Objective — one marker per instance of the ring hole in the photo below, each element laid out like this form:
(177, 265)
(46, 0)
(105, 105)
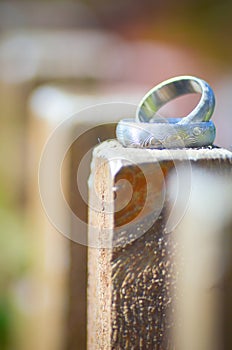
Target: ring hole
(180, 107)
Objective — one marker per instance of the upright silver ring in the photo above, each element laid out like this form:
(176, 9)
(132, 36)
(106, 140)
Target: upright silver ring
(169, 90)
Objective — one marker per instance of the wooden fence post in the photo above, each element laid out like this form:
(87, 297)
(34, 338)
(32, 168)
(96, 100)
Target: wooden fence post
(131, 262)
(203, 313)
(64, 276)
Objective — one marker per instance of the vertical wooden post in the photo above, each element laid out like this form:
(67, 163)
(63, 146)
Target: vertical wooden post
(67, 293)
(131, 262)
(50, 250)
(203, 313)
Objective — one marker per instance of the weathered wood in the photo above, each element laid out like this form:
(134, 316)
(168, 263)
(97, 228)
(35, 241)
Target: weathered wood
(131, 255)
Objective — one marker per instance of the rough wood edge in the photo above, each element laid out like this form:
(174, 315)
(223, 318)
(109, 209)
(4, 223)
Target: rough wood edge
(112, 149)
(99, 267)
(115, 157)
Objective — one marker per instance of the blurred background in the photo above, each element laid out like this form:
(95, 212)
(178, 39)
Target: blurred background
(57, 57)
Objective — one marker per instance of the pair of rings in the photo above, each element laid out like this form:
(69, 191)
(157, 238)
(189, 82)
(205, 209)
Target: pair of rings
(149, 130)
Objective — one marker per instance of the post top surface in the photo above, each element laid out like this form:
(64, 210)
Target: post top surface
(112, 149)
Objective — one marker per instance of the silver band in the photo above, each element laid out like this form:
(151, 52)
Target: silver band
(169, 90)
(165, 135)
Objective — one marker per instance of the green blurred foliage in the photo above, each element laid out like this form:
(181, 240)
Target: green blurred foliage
(14, 264)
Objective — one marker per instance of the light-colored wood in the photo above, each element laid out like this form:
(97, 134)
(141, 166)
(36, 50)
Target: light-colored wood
(203, 265)
(131, 254)
(64, 275)
(47, 319)
(33, 57)
(58, 54)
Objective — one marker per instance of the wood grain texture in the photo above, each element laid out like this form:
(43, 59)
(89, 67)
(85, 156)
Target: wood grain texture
(131, 262)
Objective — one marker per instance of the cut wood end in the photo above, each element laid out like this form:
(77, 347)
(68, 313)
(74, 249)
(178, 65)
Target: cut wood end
(135, 181)
(112, 149)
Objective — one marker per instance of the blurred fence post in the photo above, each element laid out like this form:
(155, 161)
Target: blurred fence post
(30, 58)
(132, 276)
(51, 258)
(203, 312)
(87, 128)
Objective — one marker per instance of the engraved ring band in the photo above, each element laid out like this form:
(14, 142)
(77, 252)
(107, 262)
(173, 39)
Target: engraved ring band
(148, 130)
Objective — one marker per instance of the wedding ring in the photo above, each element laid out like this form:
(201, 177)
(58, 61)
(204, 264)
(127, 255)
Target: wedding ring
(165, 135)
(171, 89)
(149, 130)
